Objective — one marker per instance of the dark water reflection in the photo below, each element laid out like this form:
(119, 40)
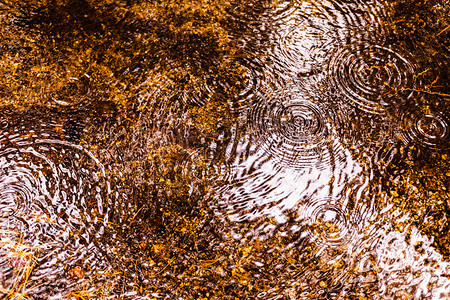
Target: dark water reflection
(304, 158)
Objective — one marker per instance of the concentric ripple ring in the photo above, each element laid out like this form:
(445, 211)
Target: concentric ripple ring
(427, 129)
(328, 223)
(294, 132)
(372, 78)
(302, 48)
(54, 195)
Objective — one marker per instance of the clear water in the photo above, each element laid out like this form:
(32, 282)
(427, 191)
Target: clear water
(304, 154)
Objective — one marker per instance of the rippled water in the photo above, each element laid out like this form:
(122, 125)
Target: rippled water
(54, 202)
(273, 150)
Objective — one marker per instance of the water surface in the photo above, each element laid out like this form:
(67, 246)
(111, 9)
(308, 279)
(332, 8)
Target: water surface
(273, 150)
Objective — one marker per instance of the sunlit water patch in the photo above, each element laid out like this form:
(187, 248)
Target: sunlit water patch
(302, 48)
(290, 154)
(258, 190)
(408, 265)
(386, 259)
(299, 187)
(54, 200)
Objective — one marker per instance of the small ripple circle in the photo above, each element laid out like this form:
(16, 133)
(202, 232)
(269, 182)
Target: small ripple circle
(429, 129)
(328, 223)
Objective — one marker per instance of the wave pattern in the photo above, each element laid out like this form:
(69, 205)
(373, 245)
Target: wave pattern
(303, 48)
(239, 85)
(54, 195)
(306, 38)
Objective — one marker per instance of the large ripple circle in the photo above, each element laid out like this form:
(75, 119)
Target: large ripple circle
(294, 132)
(372, 77)
(54, 197)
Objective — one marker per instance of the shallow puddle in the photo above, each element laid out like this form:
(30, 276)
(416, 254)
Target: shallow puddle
(244, 150)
